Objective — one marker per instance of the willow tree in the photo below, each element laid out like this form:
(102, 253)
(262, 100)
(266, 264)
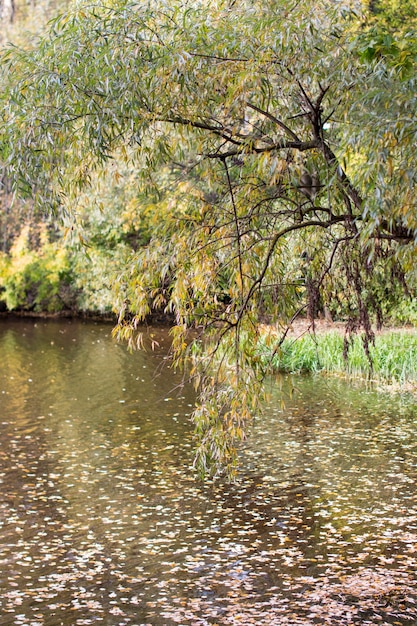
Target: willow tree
(270, 146)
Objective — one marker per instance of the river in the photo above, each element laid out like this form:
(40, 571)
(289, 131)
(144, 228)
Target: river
(102, 520)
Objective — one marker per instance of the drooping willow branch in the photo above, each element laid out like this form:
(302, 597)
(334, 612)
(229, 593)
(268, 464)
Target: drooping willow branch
(279, 235)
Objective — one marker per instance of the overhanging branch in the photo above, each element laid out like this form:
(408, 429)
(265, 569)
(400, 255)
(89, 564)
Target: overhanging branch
(249, 148)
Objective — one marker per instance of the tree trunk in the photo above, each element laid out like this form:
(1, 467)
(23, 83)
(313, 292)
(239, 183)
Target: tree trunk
(7, 10)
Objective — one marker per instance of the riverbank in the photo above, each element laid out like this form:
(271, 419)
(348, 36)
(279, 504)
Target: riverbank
(392, 362)
(308, 348)
(59, 315)
(153, 319)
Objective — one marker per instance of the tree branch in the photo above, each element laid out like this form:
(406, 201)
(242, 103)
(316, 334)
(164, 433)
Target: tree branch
(347, 186)
(274, 119)
(246, 148)
(275, 239)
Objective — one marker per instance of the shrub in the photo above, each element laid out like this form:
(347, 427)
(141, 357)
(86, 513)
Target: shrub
(35, 279)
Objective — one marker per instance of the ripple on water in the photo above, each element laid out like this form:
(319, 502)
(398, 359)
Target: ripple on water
(103, 521)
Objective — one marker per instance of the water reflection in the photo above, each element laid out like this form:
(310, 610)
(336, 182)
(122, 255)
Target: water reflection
(102, 520)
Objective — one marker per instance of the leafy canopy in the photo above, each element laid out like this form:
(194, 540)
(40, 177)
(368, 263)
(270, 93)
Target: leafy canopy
(275, 151)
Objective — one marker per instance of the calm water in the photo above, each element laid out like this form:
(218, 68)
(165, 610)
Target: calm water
(103, 522)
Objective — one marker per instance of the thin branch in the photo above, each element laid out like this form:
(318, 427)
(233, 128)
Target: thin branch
(236, 222)
(273, 245)
(332, 256)
(274, 119)
(213, 57)
(246, 148)
(217, 130)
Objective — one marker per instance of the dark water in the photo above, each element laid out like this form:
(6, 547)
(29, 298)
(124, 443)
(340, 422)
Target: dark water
(102, 520)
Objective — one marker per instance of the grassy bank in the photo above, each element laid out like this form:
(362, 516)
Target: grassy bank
(394, 356)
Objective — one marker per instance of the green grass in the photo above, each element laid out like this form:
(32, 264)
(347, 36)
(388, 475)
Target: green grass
(394, 356)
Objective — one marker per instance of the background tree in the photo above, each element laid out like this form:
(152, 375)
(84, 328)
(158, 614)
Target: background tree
(28, 237)
(392, 15)
(273, 147)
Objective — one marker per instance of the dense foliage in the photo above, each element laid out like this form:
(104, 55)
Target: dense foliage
(36, 277)
(269, 154)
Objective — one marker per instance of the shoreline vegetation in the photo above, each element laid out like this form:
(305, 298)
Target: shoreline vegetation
(393, 364)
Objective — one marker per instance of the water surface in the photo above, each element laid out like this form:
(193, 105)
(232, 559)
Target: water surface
(102, 520)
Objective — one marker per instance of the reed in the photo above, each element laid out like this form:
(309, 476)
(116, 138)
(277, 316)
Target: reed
(393, 356)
